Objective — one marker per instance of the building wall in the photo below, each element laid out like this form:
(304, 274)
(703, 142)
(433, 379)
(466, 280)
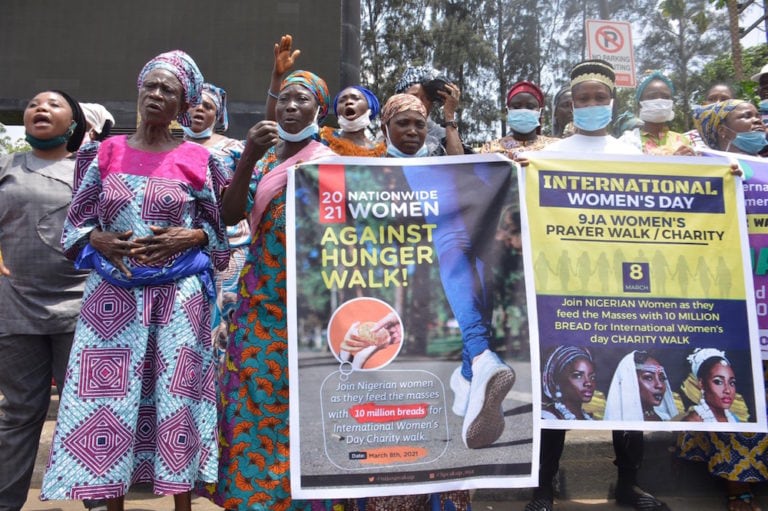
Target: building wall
(94, 50)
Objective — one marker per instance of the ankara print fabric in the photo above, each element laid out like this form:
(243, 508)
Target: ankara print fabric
(139, 400)
(254, 467)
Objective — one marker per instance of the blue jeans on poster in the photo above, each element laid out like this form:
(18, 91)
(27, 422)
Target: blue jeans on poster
(462, 268)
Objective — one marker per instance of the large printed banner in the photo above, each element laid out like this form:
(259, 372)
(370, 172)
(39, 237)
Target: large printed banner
(756, 203)
(640, 294)
(390, 262)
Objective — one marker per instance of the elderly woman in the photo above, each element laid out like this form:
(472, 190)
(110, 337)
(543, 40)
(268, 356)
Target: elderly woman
(733, 126)
(139, 400)
(525, 101)
(40, 290)
(568, 381)
(209, 115)
(639, 391)
(656, 109)
(254, 469)
(355, 108)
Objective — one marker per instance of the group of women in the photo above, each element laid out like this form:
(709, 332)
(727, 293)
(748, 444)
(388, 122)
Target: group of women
(184, 240)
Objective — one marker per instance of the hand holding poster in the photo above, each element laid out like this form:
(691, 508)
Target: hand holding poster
(402, 367)
(641, 291)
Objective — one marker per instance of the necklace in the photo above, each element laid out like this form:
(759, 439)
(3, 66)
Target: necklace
(706, 414)
(569, 415)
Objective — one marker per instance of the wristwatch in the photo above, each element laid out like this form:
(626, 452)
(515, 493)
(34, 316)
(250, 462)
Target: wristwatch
(453, 124)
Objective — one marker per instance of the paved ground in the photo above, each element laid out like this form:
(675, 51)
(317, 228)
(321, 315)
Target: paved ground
(585, 481)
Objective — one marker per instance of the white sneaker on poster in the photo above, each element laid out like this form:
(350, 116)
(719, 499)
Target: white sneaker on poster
(492, 379)
(460, 388)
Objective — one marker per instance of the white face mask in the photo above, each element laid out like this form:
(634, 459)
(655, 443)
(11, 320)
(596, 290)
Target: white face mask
(657, 110)
(358, 124)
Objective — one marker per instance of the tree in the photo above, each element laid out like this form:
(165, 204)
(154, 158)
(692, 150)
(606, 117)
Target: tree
(685, 34)
(8, 146)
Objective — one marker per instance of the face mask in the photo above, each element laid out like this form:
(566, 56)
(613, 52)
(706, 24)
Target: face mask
(206, 133)
(522, 120)
(311, 130)
(397, 153)
(593, 118)
(45, 144)
(358, 124)
(657, 110)
(763, 106)
(751, 142)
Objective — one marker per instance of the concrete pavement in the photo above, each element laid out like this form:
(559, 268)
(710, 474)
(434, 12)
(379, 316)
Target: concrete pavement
(585, 481)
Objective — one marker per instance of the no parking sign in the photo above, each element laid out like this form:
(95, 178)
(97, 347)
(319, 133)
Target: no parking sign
(612, 41)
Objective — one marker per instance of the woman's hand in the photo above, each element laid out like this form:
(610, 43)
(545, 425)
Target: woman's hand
(391, 324)
(285, 55)
(114, 246)
(685, 150)
(166, 242)
(261, 137)
(450, 101)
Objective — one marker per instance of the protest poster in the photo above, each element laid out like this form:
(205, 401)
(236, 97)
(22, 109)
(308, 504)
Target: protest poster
(756, 204)
(390, 260)
(639, 286)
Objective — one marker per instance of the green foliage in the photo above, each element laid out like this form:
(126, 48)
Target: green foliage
(720, 70)
(8, 146)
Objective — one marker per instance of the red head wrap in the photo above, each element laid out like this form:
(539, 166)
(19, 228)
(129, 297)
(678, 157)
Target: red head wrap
(528, 87)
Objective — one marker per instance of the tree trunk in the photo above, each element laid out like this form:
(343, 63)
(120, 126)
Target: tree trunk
(733, 28)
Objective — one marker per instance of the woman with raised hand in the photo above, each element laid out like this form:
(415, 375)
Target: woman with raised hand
(254, 470)
(139, 401)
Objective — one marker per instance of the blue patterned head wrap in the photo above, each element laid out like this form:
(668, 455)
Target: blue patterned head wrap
(219, 98)
(556, 364)
(315, 85)
(647, 79)
(186, 71)
(370, 97)
(708, 119)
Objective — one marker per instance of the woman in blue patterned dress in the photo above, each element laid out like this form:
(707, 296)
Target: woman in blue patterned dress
(139, 401)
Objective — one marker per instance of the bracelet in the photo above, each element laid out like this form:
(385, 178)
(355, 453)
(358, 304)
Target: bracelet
(271, 94)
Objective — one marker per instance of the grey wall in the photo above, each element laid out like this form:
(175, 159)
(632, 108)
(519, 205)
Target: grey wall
(94, 50)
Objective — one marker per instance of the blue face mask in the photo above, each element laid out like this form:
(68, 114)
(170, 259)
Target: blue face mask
(521, 120)
(309, 131)
(592, 118)
(394, 152)
(763, 106)
(206, 133)
(751, 142)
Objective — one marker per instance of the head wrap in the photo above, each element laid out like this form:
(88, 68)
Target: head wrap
(593, 69)
(623, 400)
(556, 364)
(700, 355)
(401, 103)
(526, 86)
(556, 100)
(76, 138)
(370, 97)
(647, 79)
(96, 115)
(756, 77)
(186, 71)
(414, 75)
(315, 85)
(708, 118)
(219, 98)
